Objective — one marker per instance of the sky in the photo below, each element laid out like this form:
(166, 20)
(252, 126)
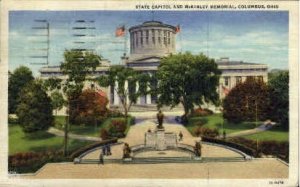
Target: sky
(249, 36)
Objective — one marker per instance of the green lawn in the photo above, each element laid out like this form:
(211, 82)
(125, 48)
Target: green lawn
(276, 133)
(37, 141)
(216, 121)
(89, 130)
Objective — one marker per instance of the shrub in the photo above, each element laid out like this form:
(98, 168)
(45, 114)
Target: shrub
(131, 120)
(115, 113)
(202, 112)
(117, 128)
(31, 161)
(104, 134)
(207, 132)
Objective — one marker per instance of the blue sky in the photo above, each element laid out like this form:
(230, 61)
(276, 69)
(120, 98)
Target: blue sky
(250, 36)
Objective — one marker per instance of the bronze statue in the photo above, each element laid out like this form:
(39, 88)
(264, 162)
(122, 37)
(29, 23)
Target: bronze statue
(197, 149)
(126, 151)
(160, 119)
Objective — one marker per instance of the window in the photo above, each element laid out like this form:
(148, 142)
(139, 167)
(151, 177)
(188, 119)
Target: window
(260, 78)
(141, 38)
(159, 37)
(136, 39)
(153, 36)
(147, 37)
(238, 80)
(226, 81)
(169, 39)
(165, 37)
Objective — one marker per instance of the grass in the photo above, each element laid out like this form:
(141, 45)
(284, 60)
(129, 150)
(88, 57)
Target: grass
(88, 130)
(37, 141)
(216, 120)
(276, 133)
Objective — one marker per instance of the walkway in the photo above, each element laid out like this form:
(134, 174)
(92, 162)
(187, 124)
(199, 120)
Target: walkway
(61, 133)
(259, 129)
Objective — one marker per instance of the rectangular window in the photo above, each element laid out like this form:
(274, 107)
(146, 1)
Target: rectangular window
(165, 37)
(169, 39)
(147, 37)
(226, 81)
(159, 37)
(141, 38)
(136, 39)
(153, 36)
(238, 80)
(260, 78)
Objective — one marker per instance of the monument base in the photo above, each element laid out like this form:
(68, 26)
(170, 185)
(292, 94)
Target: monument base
(160, 140)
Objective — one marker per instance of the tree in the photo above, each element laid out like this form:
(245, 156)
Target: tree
(247, 101)
(57, 101)
(16, 82)
(34, 110)
(117, 77)
(92, 107)
(77, 66)
(188, 80)
(279, 100)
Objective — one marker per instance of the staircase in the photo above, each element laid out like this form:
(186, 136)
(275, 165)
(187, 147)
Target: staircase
(161, 160)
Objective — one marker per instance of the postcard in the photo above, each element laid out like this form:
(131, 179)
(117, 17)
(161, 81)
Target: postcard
(149, 93)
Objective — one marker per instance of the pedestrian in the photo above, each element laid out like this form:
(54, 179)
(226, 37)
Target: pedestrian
(108, 150)
(101, 160)
(104, 150)
(180, 136)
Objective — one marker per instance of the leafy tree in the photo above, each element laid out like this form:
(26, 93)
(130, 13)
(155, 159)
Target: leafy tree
(120, 75)
(247, 101)
(34, 110)
(188, 80)
(92, 107)
(77, 66)
(57, 101)
(16, 81)
(279, 100)
(52, 83)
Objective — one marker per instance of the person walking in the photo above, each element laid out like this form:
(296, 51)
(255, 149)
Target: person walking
(104, 150)
(108, 150)
(180, 136)
(101, 160)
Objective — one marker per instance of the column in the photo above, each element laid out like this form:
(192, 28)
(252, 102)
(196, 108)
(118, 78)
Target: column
(137, 89)
(148, 97)
(116, 96)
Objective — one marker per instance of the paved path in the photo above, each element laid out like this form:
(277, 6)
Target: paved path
(61, 133)
(259, 129)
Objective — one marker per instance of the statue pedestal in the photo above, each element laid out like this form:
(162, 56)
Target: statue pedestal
(160, 140)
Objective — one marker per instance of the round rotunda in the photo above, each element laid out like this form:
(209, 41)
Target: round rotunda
(152, 38)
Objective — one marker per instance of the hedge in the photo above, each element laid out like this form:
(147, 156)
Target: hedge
(31, 161)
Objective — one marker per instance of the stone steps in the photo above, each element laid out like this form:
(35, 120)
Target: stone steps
(160, 160)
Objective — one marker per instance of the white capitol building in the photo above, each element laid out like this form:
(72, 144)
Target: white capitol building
(151, 41)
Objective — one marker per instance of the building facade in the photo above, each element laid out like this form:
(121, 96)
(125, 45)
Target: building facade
(151, 41)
